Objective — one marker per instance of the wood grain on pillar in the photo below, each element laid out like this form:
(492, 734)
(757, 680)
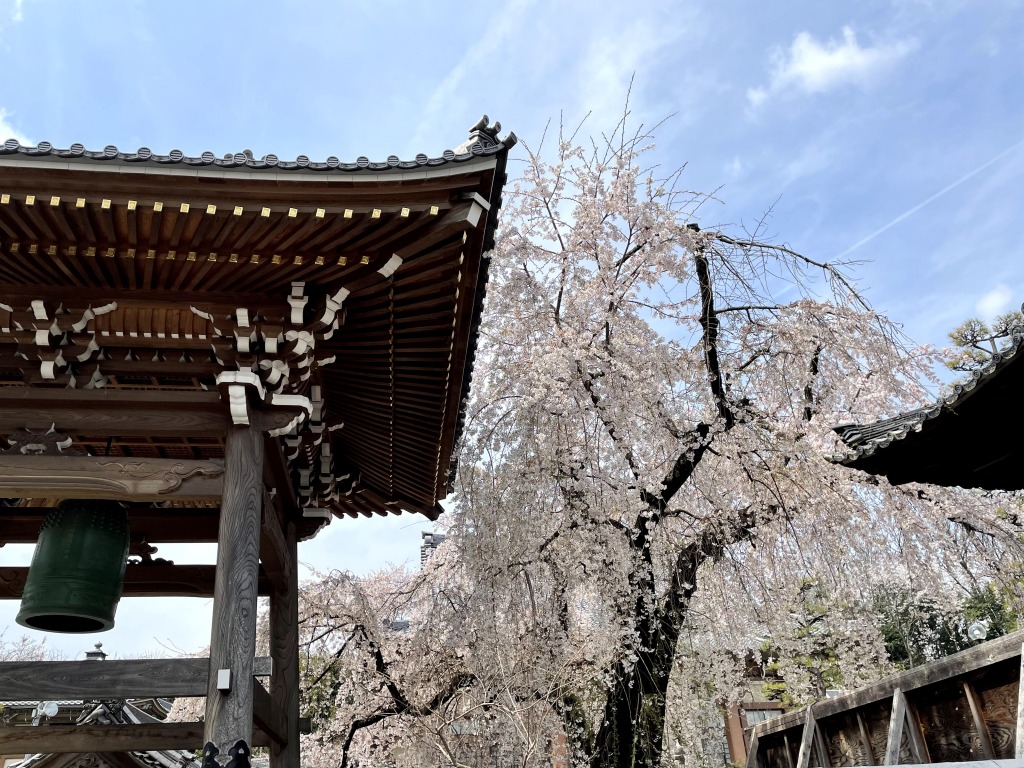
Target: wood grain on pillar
(233, 640)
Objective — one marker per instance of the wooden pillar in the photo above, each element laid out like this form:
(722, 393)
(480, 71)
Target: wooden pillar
(229, 700)
(284, 649)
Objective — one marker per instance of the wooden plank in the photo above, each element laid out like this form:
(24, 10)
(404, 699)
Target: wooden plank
(822, 749)
(120, 679)
(1018, 744)
(865, 739)
(917, 744)
(284, 650)
(98, 477)
(53, 739)
(113, 413)
(265, 716)
(979, 721)
(752, 759)
(156, 525)
(803, 759)
(274, 554)
(897, 720)
(1000, 649)
(233, 640)
(142, 581)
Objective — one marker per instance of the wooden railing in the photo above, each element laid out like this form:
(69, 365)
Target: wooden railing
(964, 707)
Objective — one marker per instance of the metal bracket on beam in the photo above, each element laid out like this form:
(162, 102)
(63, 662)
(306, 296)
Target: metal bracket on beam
(224, 680)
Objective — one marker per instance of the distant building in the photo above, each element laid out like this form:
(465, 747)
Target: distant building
(431, 541)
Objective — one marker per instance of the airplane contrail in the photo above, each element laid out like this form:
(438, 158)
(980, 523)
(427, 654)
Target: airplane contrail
(931, 199)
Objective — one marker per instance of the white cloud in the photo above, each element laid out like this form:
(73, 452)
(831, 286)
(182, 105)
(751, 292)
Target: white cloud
(810, 66)
(8, 131)
(995, 301)
(18, 14)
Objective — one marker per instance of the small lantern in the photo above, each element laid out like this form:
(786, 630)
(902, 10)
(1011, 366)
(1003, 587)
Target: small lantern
(77, 571)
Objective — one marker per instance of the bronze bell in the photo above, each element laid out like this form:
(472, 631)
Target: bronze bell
(77, 571)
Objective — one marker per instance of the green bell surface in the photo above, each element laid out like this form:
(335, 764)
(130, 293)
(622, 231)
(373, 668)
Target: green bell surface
(77, 571)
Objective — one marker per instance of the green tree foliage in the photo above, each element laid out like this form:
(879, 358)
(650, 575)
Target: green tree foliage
(975, 341)
(917, 628)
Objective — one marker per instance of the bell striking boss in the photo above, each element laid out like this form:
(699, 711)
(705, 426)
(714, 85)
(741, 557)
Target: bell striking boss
(77, 571)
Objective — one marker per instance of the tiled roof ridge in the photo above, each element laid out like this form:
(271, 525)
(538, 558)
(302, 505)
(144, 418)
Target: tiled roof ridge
(482, 142)
(864, 439)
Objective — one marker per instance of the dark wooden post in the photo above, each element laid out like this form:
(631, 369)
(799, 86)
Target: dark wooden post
(284, 649)
(229, 700)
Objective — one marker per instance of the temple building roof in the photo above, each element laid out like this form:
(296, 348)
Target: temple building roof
(968, 438)
(354, 285)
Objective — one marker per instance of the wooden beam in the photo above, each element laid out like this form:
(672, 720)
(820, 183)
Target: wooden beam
(113, 412)
(752, 760)
(156, 525)
(229, 714)
(803, 759)
(122, 679)
(54, 739)
(897, 721)
(274, 553)
(979, 721)
(266, 716)
(284, 650)
(1018, 744)
(96, 477)
(142, 581)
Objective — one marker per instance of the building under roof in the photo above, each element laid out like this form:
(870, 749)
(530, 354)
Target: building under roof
(969, 438)
(357, 285)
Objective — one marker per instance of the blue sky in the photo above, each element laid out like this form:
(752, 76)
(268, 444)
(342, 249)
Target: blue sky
(886, 131)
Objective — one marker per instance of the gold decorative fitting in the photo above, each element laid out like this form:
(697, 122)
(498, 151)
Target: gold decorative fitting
(275, 259)
(158, 206)
(254, 259)
(364, 260)
(212, 256)
(5, 199)
(80, 202)
(51, 251)
(462, 258)
(375, 214)
(342, 261)
(191, 256)
(150, 254)
(72, 250)
(14, 247)
(133, 204)
(105, 204)
(298, 261)
(171, 255)
(90, 251)
(293, 212)
(184, 208)
(405, 212)
(433, 210)
(33, 249)
(320, 213)
(30, 199)
(233, 258)
(265, 212)
(55, 201)
(130, 254)
(348, 213)
(465, 237)
(211, 209)
(238, 210)
(319, 261)
(111, 252)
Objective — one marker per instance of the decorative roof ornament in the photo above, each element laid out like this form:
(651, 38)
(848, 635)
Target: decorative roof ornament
(482, 133)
